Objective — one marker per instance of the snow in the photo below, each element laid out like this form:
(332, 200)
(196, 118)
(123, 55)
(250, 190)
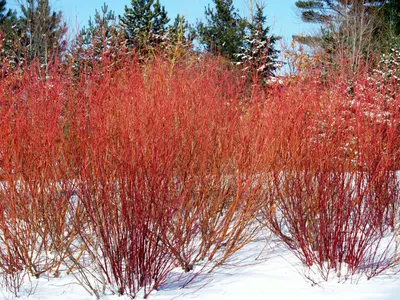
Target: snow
(258, 271)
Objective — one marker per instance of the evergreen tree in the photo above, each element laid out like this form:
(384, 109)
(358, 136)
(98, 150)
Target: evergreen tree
(391, 17)
(259, 56)
(177, 42)
(224, 30)
(350, 29)
(101, 33)
(392, 14)
(144, 24)
(5, 14)
(99, 39)
(180, 30)
(345, 18)
(325, 11)
(8, 34)
(42, 32)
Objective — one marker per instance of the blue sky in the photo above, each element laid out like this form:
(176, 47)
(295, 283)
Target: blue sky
(281, 14)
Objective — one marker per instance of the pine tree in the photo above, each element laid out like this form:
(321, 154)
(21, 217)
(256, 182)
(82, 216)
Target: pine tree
(4, 13)
(177, 42)
(344, 19)
(99, 39)
(101, 34)
(178, 29)
(323, 11)
(389, 67)
(224, 30)
(8, 34)
(144, 24)
(391, 13)
(350, 29)
(42, 32)
(259, 57)
(391, 24)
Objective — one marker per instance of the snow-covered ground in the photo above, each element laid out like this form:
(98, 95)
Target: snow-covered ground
(275, 273)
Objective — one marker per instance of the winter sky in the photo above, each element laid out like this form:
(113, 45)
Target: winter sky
(281, 14)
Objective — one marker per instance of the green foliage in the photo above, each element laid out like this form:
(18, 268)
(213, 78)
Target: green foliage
(99, 39)
(323, 11)
(334, 15)
(316, 11)
(101, 33)
(144, 24)
(224, 30)
(260, 57)
(4, 13)
(392, 14)
(309, 4)
(391, 25)
(350, 30)
(178, 40)
(180, 31)
(8, 21)
(41, 32)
